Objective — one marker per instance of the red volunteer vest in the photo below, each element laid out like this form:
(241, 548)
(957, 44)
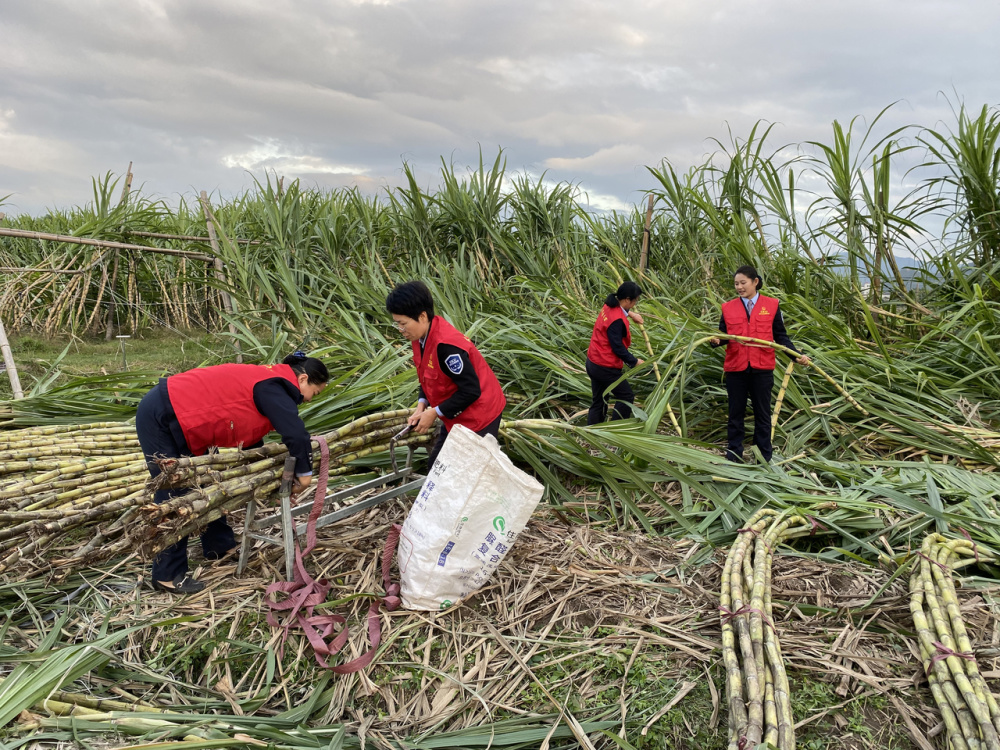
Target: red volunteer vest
(739, 356)
(600, 348)
(438, 387)
(214, 405)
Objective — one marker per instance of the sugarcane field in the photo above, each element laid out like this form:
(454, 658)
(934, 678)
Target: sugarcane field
(223, 461)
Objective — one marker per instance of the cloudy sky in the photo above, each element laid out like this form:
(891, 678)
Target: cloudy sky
(207, 94)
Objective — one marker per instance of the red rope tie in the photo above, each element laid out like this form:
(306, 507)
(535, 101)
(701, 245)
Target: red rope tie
(943, 652)
(729, 615)
(943, 567)
(304, 593)
(816, 526)
(975, 547)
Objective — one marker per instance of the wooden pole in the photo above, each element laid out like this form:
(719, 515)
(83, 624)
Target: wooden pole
(8, 360)
(128, 184)
(220, 271)
(112, 302)
(188, 237)
(644, 255)
(12, 269)
(69, 239)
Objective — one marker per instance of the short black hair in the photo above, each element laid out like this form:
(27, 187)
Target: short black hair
(751, 273)
(410, 299)
(628, 290)
(314, 368)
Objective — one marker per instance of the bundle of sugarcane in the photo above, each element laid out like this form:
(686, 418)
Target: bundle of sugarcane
(969, 709)
(756, 683)
(93, 479)
(57, 478)
(224, 482)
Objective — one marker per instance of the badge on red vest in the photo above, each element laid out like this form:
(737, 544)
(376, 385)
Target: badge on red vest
(438, 387)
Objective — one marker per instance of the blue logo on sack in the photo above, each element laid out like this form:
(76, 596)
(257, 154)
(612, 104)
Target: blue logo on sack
(443, 557)
(455, 363)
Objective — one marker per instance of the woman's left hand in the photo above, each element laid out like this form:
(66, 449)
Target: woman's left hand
(636, 317)
(803, 360)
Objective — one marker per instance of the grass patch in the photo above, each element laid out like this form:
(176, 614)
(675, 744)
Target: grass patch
(152, 349)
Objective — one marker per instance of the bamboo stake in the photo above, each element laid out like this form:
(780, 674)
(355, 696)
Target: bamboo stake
(644, 255)
(107, 244)
(128, 184)
(112, 303)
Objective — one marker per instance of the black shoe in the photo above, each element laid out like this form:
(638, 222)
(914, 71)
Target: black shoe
(182, 584)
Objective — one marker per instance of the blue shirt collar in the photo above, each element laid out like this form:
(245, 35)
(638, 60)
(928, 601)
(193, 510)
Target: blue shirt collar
(752, 300)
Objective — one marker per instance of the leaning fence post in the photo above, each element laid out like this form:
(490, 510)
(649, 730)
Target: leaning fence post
(8, 360)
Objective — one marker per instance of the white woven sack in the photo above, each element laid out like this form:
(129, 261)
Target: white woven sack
(470, 510)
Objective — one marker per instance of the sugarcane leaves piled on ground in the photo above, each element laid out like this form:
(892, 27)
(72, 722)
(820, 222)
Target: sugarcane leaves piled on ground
(618, 474)
(969, 709)
(230, 479)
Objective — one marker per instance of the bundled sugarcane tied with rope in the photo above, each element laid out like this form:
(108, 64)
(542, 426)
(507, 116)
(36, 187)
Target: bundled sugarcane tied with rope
(226, 480)
(968, 707)
(75, 494)
(756, 683)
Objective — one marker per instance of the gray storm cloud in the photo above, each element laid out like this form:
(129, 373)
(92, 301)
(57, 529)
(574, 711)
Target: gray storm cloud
(199, 94)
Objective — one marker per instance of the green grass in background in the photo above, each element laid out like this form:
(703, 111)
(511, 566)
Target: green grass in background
(154, 349)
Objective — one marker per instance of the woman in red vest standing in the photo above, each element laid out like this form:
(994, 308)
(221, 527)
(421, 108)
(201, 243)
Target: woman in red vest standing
(750, 369)
(456, 384)
(225, 406)
(608, 353)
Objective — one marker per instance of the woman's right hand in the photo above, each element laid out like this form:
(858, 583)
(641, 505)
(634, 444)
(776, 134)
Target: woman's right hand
(415, 416)
(299, 486)
(715, 342)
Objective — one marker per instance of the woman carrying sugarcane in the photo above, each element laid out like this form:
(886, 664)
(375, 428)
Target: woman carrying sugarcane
(749, 368)
(225, 406)
(456, 384)
(608, 353)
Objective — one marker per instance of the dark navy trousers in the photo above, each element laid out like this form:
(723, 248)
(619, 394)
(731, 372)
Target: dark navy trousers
(757, 385)
(600, 379)
(160, 436)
